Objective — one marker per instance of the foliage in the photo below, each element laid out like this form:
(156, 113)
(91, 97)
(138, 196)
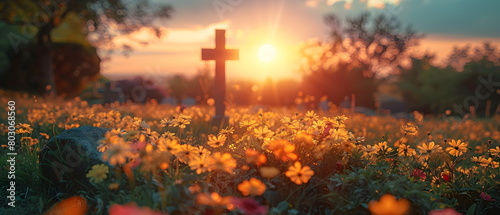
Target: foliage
(359, 52)
(95, 22)
(174, 160)
(431, 89)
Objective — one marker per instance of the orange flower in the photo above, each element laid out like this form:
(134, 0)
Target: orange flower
(299, 175)
(252, 187)
(223, 162)
(304, 138)
(213, 199)
(388, 205)
(254, 156)
(73, 205)
(269, 172)
(283, 150)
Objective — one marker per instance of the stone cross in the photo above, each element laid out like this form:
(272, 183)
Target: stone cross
(220, 54)
(111, 94)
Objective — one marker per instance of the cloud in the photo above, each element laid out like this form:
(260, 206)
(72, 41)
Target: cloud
(194, 35)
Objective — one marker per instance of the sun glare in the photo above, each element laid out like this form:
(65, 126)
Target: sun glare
(267, 53)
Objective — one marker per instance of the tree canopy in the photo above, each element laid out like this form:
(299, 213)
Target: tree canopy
(87, 22)
(359, 50)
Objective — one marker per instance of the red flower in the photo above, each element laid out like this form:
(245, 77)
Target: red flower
(486, 197)
(131, 209)
(419, 174)
(445, 177)
(249, 206)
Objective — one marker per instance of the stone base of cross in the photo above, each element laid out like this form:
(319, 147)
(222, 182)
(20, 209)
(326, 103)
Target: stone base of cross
(220, 54)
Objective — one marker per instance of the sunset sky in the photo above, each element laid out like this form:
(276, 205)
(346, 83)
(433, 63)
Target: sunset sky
(285, 24)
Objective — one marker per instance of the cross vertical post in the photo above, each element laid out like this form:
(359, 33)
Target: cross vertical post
(220, 54)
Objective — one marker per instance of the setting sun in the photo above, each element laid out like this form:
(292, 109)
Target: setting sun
(267, 53)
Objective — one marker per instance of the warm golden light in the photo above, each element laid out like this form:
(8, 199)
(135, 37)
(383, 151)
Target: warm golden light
(267, 53)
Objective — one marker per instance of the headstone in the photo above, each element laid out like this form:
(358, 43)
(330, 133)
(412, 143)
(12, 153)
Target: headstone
(189, 101)
(140, 90)
(111, 94)
(220, 54)
(394, 106)
(66, 159)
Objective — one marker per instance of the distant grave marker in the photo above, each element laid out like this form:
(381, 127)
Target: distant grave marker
(220, 54)
(111, 94)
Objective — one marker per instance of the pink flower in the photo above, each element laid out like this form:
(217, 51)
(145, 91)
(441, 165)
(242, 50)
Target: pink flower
(447, 211)
(131, 209)
(486, 197)
(249, 206)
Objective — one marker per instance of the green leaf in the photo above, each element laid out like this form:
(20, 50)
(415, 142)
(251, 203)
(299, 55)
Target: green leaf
(472, 210)
(282, 206)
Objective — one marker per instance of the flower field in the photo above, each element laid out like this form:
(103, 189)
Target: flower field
(170, 160)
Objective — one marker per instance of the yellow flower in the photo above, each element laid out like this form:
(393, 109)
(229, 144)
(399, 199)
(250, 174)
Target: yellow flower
(406, 150)
(428, 148)
(117, 153)
(216, 141)
(113, 186)
(226, 131)
(154, 161)
(44, 135)
(299, 175)
(410, 129)
(289, 123)
(198, 164)
(223, 162)
(98, 173)
(186, 153)
(310, 116)
(252, 187)
(181, 121)
(382, 148)
(202, 152)
(29, 141)
(263, 132)
(250, 124)
(495, 151)
(168, 145)
(457, 147)
(165, 122)
(111, 137)
(23, 128)
(388, 205)
(482, 161)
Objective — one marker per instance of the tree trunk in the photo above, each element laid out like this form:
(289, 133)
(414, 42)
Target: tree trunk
(43, 67)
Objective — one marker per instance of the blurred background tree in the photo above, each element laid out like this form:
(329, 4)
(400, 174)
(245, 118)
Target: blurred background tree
(360, 51)
(470, 77)
(31, 27)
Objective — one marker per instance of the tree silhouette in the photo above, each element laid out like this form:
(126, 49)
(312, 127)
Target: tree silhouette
(102, 21)
(471, 78)
(359, 52)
